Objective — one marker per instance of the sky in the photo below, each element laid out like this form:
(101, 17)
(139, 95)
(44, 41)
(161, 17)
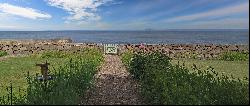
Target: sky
(37, 15)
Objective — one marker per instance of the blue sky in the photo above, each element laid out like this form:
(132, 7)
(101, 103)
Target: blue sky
(123, 14)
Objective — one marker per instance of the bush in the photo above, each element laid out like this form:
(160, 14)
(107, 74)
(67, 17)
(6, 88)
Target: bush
(3, 53)
(234, 56)
(70, 81)
(164, 83)
(126, 58)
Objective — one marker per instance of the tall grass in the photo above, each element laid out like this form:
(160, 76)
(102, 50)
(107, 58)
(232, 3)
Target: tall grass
(12, 95)
(164, 83)
(70, 81)
(126, 57)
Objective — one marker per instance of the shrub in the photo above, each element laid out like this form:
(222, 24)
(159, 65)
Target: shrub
(164, 83)
(69, 83)
(126, 58)
(3, 53)
(234, 56)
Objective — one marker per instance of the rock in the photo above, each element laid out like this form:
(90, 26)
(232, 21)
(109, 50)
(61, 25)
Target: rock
(242, 48)
(5, 48)
(63, 40)
(15, 48)
(232, 48)
(23, 48)
(207, 56)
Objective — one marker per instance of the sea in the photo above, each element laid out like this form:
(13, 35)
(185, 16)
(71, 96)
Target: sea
(137, 37)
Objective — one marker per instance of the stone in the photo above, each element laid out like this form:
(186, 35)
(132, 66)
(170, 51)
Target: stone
(232, 48)
(207, 56)
(5, 48)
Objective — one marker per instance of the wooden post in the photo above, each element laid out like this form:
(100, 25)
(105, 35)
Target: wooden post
(44, 70)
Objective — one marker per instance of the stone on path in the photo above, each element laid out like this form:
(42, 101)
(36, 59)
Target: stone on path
(113, 85)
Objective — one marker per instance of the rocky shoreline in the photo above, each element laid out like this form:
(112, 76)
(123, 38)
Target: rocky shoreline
(202, 51)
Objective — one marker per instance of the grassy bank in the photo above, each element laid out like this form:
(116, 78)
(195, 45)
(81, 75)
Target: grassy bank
(73, 75)
(165, 82)
(14, 69)
(238, 69)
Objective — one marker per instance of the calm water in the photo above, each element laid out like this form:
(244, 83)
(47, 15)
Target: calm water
(151, 37)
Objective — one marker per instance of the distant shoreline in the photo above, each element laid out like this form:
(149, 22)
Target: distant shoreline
(135, 37)
(203, 51)
(140, 30)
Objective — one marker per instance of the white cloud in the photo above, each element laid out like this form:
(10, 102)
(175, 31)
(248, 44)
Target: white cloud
(79, 10)
(227, 11)
(7, 26)
(22, 11)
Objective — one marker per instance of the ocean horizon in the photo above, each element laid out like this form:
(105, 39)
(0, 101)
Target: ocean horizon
(173, 36)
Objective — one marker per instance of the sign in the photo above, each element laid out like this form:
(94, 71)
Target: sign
(110, 48)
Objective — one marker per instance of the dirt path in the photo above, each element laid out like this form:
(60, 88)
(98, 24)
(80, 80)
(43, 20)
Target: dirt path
(113, 85)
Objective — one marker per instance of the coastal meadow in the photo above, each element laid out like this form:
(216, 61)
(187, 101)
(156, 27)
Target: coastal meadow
(174, 84)
(70, 80)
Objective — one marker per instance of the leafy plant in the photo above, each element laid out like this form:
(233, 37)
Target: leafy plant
(164, 83)
(3, 53)
(126, 57)
(13, 95)
(69, 83)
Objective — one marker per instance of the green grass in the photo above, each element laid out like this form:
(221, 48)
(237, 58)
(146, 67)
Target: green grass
(14, 69)
(164, 82)
(238, 69)
(74, 72)
(73, 78)
(234, 56)
(3, 53)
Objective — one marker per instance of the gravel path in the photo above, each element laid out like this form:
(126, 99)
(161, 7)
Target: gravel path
(113, 85)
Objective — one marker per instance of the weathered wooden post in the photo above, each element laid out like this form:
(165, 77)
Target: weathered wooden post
(44, 71)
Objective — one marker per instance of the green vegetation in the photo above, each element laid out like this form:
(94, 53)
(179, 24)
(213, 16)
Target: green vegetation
(162, 80)
(126, 57)
(234, 56)
(165, 83)
(239, 69)
(69, 83)
(3, 53)
(57, 54)
(14, 69)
